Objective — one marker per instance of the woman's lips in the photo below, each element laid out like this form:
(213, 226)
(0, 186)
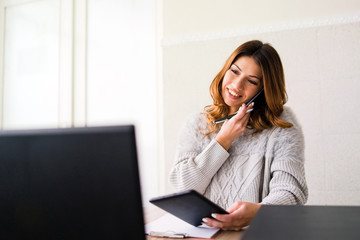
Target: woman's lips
(233, 93)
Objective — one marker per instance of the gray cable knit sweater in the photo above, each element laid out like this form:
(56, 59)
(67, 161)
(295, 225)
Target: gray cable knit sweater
(267, 167)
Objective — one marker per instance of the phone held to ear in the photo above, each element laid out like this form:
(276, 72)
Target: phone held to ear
(247, 104)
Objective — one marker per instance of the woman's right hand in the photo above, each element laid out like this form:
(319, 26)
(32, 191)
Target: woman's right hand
(233, 127)
(240, 215)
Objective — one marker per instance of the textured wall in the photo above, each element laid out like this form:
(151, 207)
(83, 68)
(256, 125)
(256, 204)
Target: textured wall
(322, 68)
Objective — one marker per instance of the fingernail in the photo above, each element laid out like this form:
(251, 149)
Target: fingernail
(204, 220)
(252, 104)
(213, 215)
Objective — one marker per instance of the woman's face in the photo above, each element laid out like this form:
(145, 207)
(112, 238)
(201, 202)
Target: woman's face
(241, 82)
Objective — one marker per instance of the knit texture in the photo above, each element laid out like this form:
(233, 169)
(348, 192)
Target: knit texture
(266, 167)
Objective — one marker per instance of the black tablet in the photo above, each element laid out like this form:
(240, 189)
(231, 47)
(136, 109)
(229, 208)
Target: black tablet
(190, 206)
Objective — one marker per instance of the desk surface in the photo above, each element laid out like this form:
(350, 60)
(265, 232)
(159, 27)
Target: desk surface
(305, 222)
(153, 213)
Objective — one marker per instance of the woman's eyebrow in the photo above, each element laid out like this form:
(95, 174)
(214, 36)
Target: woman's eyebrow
(237, 66)
(249, 75)
(255, 77)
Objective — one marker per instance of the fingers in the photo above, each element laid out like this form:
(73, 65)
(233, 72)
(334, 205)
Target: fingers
(222, 217)
(244, 110)
(233, 127)
(223, 221)
(235, 206)
(242, 117)
(217, 223)
(240, 215)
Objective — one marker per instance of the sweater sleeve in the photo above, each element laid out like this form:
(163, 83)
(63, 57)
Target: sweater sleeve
(195, 167)
(287, 184)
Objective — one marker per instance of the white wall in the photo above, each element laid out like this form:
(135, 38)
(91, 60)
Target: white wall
(187, 17)
(31, 62)
(121, 76)
(318, 43)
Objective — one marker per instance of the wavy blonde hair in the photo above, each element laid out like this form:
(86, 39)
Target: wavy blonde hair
(269, 105)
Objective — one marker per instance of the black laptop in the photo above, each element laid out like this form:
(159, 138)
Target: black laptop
(305, 223)
(74, 183)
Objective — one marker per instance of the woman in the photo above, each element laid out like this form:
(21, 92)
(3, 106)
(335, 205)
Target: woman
(253, 158)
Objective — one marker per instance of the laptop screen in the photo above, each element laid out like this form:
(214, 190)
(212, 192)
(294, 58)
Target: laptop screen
(75, 183)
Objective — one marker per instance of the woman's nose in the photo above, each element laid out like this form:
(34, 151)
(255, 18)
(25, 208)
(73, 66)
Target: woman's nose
(239, 82)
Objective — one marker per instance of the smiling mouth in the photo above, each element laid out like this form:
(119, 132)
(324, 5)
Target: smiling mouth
(232, 93)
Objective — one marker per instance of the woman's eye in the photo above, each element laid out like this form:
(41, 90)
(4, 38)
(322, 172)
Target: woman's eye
(235, 71)
(252, 82)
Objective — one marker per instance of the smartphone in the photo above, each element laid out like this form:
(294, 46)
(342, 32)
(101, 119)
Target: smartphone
(247, 104)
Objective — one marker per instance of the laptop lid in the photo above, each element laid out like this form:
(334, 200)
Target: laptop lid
(305, 222)
(75, 183)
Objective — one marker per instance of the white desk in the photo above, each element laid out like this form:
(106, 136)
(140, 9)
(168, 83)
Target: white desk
(153, 213)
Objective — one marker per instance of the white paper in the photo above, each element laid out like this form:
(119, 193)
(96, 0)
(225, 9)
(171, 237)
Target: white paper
(171, 224)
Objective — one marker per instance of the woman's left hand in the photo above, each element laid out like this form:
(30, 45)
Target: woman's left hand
(240, 215)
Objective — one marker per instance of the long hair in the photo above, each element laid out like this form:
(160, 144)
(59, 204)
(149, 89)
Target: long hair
(269, 106)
